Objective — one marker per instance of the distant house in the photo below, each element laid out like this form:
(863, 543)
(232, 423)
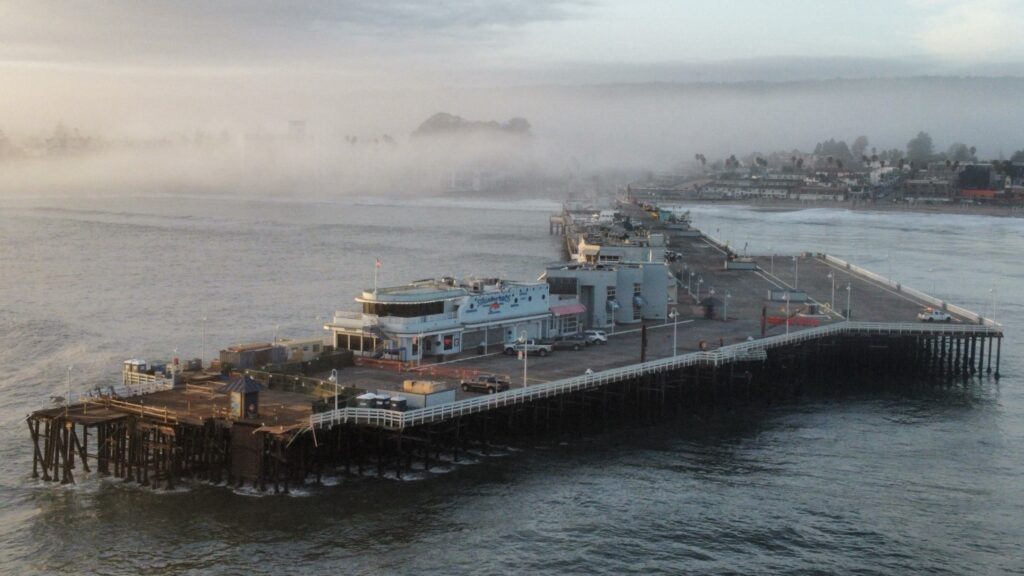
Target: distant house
(929, 190)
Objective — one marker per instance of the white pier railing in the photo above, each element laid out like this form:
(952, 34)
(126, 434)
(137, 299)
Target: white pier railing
(899, 287)
(743, 352)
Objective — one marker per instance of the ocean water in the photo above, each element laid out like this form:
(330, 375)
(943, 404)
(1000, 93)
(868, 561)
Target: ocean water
(920, 481)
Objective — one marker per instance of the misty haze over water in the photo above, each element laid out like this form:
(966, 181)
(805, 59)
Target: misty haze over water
(362, 142)
(248, 162)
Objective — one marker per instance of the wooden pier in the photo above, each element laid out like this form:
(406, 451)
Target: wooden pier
(160, 436)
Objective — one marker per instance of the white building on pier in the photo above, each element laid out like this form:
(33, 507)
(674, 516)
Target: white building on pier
(438, 317)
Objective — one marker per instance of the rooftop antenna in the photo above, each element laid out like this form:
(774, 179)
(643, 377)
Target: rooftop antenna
(376, 269)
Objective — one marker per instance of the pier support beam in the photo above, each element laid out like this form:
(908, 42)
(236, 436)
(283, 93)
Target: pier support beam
(999, 353)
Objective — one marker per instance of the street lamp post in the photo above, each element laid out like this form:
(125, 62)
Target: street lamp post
(688, 289)
(67, 393)
(726, 312)
(832, 276)
(203, 353)
(849, 312)
(700, 280)
(674, 315)
(992, 291)
(334, 379)
(787, 312)
(796, 272)
(522, 339)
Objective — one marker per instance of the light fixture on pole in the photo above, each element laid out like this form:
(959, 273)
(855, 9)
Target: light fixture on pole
(787, 312)
(334, 378)
(67, 394)
(849, 312)
(700, 280)
(992, 291)
(523, 341)
(203, 352)
(832, 277)
(674, 315)
(725, 314)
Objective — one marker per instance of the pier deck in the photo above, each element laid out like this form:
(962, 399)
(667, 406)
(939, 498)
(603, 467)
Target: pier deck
(161, 435)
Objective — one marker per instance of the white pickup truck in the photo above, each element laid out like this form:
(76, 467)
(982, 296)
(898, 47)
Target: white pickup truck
(531, 347)
(933, 315)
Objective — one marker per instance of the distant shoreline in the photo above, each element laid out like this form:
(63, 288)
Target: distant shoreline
(796, 205)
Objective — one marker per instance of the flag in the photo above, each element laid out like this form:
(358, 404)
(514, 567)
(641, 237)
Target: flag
(378, 263)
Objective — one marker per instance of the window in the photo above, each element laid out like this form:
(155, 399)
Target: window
(562, 286)
(403, 310)
(570, 325)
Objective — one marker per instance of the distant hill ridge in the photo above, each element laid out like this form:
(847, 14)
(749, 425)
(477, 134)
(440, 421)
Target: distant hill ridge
(443, 123)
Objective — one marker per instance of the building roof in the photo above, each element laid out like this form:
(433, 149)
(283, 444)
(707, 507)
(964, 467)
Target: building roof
(249, 346)
(243, 384)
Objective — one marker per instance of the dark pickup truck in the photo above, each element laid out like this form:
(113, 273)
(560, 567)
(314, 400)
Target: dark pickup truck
(568, 342)
(488, 383)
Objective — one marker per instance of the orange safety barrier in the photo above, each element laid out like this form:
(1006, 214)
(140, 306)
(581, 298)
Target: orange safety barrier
(447, 372)
(794, 321)
(396, 365)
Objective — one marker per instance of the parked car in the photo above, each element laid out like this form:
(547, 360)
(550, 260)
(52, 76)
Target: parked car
(531, 347)
(571, 342)
(488, 383)
(933, 315)
(595, 337)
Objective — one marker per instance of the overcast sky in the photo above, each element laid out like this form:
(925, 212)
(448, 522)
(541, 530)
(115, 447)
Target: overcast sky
(139, 68)
(438, 37)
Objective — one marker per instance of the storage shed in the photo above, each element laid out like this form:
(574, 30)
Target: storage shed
(245, 397)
